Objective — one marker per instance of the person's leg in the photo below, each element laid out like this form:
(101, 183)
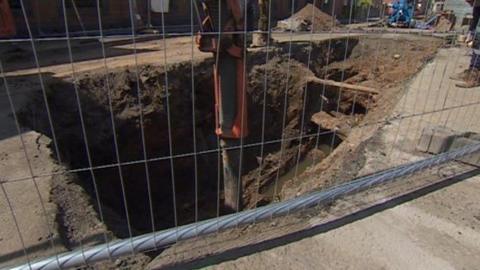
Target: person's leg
(475, 60)
(476, 18)
(472, 77)
(473, 25)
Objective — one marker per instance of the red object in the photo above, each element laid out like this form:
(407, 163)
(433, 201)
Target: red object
(209, 43)
(7, 24)
(240, 125)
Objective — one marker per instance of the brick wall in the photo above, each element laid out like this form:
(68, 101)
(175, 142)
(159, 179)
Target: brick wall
(46, 16)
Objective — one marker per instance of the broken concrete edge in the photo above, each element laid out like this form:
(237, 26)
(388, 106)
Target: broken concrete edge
(437, 139)
(440, 139)
(459, 142)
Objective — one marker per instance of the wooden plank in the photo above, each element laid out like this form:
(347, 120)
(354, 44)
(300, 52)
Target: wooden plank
(347, 86)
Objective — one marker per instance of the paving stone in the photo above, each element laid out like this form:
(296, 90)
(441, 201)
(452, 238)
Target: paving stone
(436, 139)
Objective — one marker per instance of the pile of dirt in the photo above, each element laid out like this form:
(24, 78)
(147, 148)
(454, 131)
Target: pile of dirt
(308, 18)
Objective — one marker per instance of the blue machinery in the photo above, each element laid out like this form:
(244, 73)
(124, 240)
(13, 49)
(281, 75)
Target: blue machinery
(402, 14)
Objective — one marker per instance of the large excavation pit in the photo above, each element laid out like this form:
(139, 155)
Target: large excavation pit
(184, 152)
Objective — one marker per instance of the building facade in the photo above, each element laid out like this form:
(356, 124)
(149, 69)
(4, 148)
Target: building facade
(46, 17)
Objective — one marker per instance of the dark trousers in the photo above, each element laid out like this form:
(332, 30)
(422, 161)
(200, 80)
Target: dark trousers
(475, 60)
(476, 17)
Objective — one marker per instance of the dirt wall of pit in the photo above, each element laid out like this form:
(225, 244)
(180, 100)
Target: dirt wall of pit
(129, 94)
(116, 94)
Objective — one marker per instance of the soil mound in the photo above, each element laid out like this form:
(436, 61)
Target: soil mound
(319, 21)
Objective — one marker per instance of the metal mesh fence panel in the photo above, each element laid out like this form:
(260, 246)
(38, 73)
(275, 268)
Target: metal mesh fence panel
(134, 127)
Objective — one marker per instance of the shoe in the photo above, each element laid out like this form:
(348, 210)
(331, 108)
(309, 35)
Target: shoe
(470, 39)
(468, 84)
(471, 80)
(462, 76)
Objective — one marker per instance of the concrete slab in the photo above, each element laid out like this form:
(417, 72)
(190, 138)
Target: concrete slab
(37, 233)
(30, 200)
(436, 139)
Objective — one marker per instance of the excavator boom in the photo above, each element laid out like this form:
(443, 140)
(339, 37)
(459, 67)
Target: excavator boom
(222, 25)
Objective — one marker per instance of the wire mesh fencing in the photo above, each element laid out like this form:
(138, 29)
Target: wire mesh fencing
(178, 128)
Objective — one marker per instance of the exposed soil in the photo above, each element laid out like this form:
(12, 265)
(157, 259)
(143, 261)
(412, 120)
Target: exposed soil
(343, 164)
(286, 72)
(304, 99)
(390, 231)
(316, 18)
(123, 86)
(386, 65)
(81, 227)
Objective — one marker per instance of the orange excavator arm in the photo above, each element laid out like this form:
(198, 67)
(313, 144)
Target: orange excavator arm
(7, 23)
(226, 17)
(222, 34)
